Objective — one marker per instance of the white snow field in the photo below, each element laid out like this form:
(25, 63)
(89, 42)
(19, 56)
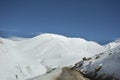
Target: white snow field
(28, 58)
(49, 76)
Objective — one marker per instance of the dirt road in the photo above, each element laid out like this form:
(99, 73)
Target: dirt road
(68, 74)
(61, 74)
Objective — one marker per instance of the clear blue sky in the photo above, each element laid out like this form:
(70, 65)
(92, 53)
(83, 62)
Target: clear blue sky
(97, 20)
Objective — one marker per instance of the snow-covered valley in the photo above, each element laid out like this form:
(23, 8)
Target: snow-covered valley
(28, 58)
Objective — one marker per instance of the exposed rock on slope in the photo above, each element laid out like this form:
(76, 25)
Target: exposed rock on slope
(103, 66)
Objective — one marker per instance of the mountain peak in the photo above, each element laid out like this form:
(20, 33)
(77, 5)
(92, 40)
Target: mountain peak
(53, 36)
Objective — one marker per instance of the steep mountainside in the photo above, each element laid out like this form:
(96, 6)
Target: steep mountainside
(103, 66)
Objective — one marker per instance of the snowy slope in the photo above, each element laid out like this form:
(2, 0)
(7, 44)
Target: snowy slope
(113, 44)
(28, 58)
(13, 65)
(104, 66)
(51, 76)
(57, 50)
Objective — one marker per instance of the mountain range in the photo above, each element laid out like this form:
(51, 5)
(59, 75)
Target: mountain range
(30, 57)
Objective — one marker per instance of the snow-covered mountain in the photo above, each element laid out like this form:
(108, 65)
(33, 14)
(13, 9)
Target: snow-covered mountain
(47, 48)
(113, 44)
(103, 66)
(31, 57)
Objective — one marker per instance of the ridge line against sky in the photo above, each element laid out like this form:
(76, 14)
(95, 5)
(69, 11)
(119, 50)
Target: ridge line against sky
(95, 20)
